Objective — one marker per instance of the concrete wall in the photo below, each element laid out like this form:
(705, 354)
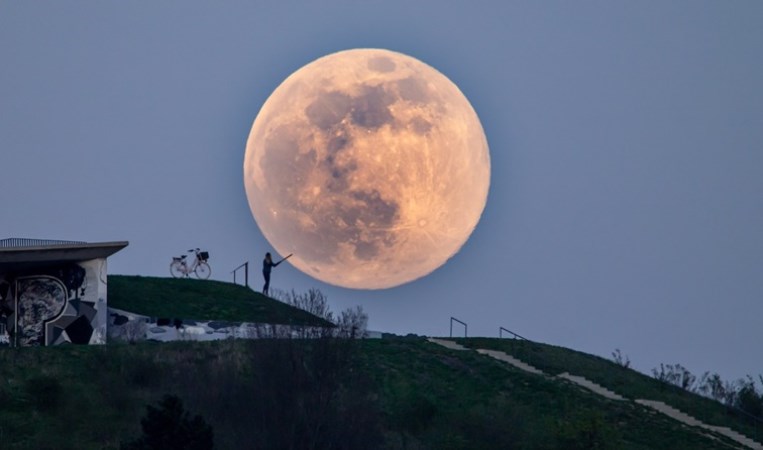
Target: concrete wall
(131, 327)
(54, 305)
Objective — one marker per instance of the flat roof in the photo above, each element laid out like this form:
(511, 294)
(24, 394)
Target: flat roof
(47, 253)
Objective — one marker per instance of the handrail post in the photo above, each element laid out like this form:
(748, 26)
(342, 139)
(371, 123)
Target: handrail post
(452, 319)
(246, 273)
(502, 329)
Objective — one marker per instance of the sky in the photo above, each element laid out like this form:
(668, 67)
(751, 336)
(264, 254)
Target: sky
(626, 202)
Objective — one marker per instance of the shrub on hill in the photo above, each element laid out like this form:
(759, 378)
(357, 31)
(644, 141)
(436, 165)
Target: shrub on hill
(620, 360)
(351, 322)
(170, 427)
(748, 399)
(309, 394)
(742, 394)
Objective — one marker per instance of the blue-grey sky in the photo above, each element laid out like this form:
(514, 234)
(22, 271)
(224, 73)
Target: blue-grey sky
(626, 203)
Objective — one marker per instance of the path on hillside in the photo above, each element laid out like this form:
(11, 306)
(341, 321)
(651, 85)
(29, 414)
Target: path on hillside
(604, 392)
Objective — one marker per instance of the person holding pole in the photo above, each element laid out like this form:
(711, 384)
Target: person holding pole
(267, 266)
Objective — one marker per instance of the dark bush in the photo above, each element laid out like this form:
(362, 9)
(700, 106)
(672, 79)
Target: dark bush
(170, 427)
(620, 359)
(749, 400)
(677, 375)
(310, 395)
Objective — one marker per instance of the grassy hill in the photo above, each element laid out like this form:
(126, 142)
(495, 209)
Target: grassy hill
(629, 383)
(391, 393)
(401, 393)
(186, 298)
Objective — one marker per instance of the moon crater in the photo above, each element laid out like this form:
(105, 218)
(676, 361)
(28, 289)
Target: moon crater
(370, 166)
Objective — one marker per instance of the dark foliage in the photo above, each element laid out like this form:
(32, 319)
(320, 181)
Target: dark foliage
(45, 392)
(170, 427)
(677, 375)
(312, 396)
(588, 430)
(749, 400)
(620, 359)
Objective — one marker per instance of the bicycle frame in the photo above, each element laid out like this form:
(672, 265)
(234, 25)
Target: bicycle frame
(185, 267)
(182, 266)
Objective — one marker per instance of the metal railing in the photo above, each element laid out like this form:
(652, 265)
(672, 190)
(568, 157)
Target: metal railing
(246, 273)
(453, 319)
(22, 242)
(502, 329)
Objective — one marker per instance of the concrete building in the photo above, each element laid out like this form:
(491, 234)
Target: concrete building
(53, 292)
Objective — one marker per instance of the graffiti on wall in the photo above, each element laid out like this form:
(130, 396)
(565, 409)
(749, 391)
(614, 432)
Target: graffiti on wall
(40, 299)
(57, 305)
(6, 310)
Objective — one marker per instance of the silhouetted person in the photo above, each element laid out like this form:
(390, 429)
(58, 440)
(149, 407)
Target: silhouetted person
(267, 265)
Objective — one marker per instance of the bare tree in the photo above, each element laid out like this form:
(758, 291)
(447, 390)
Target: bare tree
(350, 323)
(741, 394)
(620, 360)
(677, 375)
(353, 323)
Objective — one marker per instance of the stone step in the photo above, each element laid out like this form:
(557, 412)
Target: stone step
(694, 422)
(591, 386)
(446, 343)
(511, 360)
(601, 390)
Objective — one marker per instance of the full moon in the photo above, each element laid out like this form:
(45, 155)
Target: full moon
(368, 165)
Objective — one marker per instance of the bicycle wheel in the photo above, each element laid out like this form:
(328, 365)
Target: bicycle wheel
(176, 269)
(202, 271)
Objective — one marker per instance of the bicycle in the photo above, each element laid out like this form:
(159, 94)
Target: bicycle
(179, 268)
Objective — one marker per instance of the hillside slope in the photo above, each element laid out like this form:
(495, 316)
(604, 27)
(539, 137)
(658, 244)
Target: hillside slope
(187, 298)
(394, 393)
(391, 393)
(629, 383)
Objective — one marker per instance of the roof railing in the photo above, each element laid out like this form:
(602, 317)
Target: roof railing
(23, 242)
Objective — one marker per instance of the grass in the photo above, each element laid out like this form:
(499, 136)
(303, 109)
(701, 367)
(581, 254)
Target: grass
(474, 394)
(626, 382)
(417, 394)
(186, 298)
(428, 397)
